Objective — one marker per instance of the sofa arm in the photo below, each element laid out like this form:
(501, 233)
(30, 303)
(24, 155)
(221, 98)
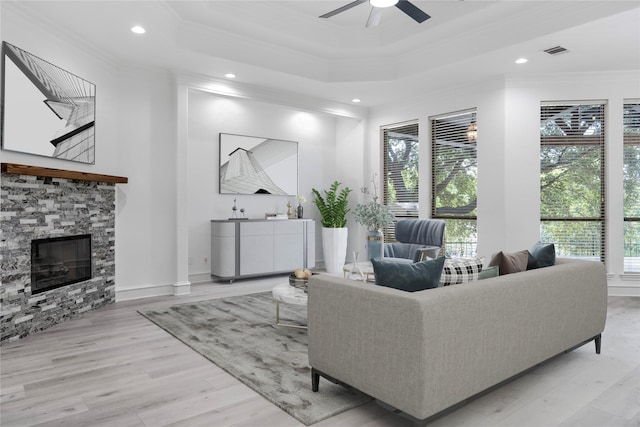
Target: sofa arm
(355, 332)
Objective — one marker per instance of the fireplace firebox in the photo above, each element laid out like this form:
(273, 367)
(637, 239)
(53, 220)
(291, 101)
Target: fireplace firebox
(60, 261)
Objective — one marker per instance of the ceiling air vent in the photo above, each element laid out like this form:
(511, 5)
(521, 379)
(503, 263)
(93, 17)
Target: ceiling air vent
(556, 50)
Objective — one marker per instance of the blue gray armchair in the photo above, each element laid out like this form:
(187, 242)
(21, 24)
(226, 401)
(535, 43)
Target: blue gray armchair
(416, 238)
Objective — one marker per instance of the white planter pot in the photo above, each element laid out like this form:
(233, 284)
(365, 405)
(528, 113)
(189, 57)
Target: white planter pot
(334, 248)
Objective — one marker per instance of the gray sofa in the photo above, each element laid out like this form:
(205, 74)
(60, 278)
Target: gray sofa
(426, 351)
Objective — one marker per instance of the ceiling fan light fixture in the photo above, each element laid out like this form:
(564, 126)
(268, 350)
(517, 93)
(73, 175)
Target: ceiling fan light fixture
(383, 3)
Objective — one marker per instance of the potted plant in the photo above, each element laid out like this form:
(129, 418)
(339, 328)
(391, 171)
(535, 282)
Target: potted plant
(333, 207)
(374, 216)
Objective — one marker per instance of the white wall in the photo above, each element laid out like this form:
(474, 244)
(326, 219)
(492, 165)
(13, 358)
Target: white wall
(327, 149)
(349, 158)
(146, 221)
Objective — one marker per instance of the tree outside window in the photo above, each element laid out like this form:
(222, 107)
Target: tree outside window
(572, 191)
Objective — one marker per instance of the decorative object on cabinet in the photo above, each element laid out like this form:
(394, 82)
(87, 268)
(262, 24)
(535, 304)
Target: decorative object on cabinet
(257, 165)
(300, 209)
(46, 111)
(234, 210)
(257, 247)
(275, 216)
(291, 213)
(333, 207)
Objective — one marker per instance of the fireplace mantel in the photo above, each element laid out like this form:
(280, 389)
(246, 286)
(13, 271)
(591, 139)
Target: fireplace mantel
(16, 169)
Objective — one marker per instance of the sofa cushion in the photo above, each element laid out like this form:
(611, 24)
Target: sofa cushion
(409, 277)
(510, 262)
(489, 272)
(545, 255)
(456, 271)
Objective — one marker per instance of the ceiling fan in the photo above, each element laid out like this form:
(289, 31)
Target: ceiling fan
(376, 10)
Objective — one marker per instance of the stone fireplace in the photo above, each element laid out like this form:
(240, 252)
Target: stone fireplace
(38, 205)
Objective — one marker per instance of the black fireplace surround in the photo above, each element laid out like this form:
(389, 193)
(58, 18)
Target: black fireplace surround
(60, 261)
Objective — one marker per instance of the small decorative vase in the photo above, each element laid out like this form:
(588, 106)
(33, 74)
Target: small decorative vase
(375, 244)
(300, 211)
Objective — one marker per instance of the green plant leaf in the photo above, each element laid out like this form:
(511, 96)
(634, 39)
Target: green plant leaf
(333, 205)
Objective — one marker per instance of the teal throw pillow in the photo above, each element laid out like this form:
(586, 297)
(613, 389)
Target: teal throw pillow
(545, 254)
(408, 277)
(489, 272)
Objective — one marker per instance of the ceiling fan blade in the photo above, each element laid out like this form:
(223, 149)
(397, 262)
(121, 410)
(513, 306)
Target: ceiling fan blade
(374, 16)
(412, 10)
(342, 9)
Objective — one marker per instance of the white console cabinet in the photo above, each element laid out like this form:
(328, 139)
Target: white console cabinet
(247, 248)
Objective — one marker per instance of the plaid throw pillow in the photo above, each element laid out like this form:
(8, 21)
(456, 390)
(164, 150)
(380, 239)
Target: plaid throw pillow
(457, 271)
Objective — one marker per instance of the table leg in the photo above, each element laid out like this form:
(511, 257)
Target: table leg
(285, 324)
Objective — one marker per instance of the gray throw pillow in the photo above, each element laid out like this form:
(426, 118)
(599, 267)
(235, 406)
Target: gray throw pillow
(510, 262)
(408, 277)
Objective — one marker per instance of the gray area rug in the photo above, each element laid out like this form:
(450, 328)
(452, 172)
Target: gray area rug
(238, 334)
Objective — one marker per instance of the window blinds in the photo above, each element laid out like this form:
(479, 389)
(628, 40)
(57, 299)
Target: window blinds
(400, 172)
(454, 172)
(572, 184)
(631, 185)
(455, 166)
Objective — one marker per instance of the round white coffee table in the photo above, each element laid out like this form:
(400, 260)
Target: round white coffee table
(287, 294)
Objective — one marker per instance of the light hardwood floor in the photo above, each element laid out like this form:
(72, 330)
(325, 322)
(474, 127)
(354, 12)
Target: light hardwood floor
(112, 367)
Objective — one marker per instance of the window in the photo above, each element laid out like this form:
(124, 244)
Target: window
(400, 172)
(454, 179)
(631, 171)
(572, 185)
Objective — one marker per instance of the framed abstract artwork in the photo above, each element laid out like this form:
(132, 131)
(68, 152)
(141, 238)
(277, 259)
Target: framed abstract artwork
(258, 165)
(46, 110)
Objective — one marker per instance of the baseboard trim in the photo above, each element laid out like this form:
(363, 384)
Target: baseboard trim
(148, 291)
(182, 288)
(619, 290)
(200, 278)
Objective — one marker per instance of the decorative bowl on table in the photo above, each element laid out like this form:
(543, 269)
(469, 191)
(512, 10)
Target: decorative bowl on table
(299, 282)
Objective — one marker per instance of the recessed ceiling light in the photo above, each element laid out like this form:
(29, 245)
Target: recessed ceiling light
(521, 60)
(356, 100)
(138, 29)
(230, 76)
